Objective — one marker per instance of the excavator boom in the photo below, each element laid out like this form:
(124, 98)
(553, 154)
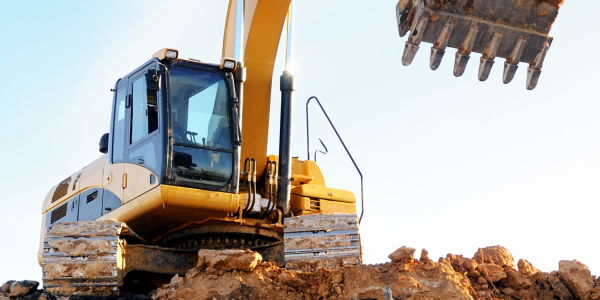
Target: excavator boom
(516, 30)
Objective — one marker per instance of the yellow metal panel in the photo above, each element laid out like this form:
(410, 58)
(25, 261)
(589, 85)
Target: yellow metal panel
(92, 174)
(304, 205)
(200, 199)
(166, 195)
(42, 236)
(298, 203)
(113, 178)
(138, 181)
(312, 169)
(332, 207)
(322, 192)
(90, 177)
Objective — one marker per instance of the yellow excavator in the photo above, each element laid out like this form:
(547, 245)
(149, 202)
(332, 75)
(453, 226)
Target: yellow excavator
(185, 167)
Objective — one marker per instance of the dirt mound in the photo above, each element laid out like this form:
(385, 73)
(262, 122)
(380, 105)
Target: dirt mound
(490, 274)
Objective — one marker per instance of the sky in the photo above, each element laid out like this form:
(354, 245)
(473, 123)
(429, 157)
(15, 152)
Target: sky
(449, 164)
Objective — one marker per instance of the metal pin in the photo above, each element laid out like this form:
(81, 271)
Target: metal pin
(412, 45)
(439, 47)
(487, 60)
(535, 70)
(463, 53)
(512, 62)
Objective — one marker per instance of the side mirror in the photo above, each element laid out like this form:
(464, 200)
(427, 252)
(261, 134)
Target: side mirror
(104, 143)
(153, 80)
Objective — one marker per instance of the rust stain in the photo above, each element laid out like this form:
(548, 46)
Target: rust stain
(470, 6)
(543, 13)
(440, 3)
(435, 17)
(556, 3)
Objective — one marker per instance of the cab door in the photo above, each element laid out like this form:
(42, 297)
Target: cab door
(144, 140)
(113, 181)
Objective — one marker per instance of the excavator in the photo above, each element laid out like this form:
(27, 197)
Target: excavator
(184, 166)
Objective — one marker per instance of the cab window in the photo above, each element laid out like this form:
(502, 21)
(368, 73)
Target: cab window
(144, 114)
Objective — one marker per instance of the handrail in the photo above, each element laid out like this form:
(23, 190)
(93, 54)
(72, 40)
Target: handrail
(362, 202)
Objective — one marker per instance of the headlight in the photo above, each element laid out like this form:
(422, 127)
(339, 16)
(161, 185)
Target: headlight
(166, 53)
(172, 54)
(228, 64)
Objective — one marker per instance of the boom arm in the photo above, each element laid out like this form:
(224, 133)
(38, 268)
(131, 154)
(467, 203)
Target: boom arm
(263, 23)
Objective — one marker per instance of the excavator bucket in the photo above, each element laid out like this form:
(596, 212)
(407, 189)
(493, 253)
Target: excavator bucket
(516, 30)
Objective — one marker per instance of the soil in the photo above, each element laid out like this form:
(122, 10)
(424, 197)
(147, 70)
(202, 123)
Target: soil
(490, 274)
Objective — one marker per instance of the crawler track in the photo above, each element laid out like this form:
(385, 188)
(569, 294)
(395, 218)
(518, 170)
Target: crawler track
(82, 258)
(322, 240)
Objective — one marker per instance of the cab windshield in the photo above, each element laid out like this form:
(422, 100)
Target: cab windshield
(202, 147)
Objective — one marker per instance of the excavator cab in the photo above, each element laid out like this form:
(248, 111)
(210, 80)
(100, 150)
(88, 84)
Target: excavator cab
(176, 118)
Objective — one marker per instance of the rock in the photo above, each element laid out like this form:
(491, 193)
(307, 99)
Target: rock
(595, 296)
(338, 289)
(468, 264)
(577, 277)
(474, 274)
(424, 256)
(228, 260)
(561, 291)
(337, 278)
(23, 288)
(193, 272)
(526, 268)
(403, 255)
(175, 281)
(290, 279)
(516, 280)
(430, 265)
(497, 255)
(211, 271)
(491, 272)
(6, 287)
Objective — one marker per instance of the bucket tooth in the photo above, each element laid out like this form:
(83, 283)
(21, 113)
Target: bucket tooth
(487, 60)
(436, 58)
(410, 50)
(439, 47)
(460, 63)
(412, 45)
(403, 10)
(509, 72)
(511, 64)
(535, 70)
(533, 75)
(485, 67)
(463, 53)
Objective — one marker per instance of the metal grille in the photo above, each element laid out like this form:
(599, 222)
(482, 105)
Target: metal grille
(59, 213)
(315, 204)
(61, 189)
(92, 196)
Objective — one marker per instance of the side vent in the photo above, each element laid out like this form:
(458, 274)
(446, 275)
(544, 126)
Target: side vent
(315, 204)
(76, 180)
(59, 213)
(61, 189)
(92, 196)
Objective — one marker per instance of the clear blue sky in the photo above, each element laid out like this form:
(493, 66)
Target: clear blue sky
(450, 164)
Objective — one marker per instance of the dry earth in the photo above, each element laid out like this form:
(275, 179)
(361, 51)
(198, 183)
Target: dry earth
(490, 274)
